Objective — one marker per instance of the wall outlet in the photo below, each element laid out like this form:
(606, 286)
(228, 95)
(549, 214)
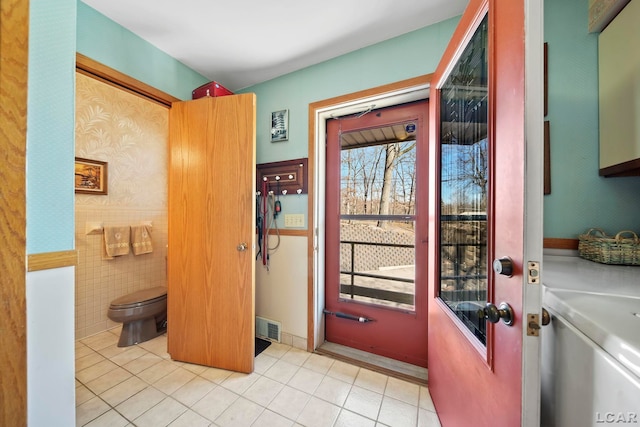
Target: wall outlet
(294, 220)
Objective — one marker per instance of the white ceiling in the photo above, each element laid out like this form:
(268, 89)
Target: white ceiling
(240, 43)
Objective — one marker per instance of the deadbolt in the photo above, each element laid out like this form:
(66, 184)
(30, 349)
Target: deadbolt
(503, 266)
(493, 314)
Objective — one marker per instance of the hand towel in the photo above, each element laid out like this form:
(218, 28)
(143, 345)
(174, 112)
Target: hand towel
(141, 239)
(116, 241)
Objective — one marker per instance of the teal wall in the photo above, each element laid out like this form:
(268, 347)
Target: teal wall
(50, 118)
(579, 199)
(103, 40)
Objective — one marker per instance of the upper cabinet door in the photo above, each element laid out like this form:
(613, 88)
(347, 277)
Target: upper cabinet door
(211, 281)
(480, 238)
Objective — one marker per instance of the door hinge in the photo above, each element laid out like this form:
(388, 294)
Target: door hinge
(533, 325)
(533, 272)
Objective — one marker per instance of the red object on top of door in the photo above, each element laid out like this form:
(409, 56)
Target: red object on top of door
(210, 89)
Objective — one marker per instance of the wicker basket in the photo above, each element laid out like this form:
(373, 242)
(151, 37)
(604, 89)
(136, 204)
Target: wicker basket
(622, 249)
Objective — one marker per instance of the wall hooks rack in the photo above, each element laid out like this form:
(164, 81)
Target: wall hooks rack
(285, 177)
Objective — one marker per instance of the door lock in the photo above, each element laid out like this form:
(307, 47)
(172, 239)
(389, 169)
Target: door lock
(493, 314)
(242, 247)
(503, 266)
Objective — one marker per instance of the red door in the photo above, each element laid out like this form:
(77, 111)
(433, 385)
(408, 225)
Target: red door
(477, 215)
(371, 251)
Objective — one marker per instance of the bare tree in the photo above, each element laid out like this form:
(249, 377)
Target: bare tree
(393, 152)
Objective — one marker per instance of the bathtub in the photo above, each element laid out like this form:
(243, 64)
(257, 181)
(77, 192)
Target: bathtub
(590, 372)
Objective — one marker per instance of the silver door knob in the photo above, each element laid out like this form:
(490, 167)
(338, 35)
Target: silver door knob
(493, 314)
(503, 266)
(242, 247)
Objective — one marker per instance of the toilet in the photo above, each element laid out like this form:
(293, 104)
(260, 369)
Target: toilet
(143, 315)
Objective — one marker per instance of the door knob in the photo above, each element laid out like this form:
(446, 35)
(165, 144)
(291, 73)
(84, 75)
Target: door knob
(503, 266)
(242, 247)
(493, 314)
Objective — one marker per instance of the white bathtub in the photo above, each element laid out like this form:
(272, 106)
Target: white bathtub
(591, 349)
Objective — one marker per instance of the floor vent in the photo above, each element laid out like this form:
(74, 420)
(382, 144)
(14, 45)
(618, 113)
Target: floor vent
(268, 328)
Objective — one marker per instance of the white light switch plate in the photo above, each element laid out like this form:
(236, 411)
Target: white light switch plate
(294, 220)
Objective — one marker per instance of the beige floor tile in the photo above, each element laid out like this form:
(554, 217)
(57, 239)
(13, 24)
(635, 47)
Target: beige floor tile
(95, 371)
(90, 410)
(82, 350)
(403, 390)
(215, 375)
(214, 403)
(193, 391)
(121, 392)
(276, 350)
(318, 363)
(394, 412)
(161, 415)
(88, 360)
(343, 371)
(141, 363)
(351, 419)
(289, 402)
(100, 341)
(109, 419)
(83, 394)
(263, 362)
(238, 382)
(157, 371)
(281, 371)
(157, 346)
(364, 402)
(318, 413)
(130, 354)
(296, 356)
(425, 400)
(108, 380)
(190, 419)
(174, 380)
(196, 369)
(333, 390)
(140, 402)
(263, 391)
(427, 418)
(271, 419)
(371, 380)
(240, 413)
(306, 380)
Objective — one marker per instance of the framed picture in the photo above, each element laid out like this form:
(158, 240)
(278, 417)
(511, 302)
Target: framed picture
(90, 176)
(280, 126)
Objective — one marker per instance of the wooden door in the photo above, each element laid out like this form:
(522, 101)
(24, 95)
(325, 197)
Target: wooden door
(211, 284)
(482, 185)
(370, 257)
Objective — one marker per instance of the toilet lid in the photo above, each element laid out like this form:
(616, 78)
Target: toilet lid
(140, 297)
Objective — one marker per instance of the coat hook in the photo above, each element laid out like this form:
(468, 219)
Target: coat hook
(290, 176)
(299, 191)
(284, 192)
(277, 177)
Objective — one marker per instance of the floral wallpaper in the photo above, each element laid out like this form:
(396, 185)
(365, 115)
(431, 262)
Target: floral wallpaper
(128, 132)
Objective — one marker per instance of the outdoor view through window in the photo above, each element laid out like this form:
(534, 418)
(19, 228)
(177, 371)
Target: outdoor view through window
(377, 227)
(464, 177)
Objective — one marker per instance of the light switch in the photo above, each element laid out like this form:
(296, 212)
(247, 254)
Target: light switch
(294, 220)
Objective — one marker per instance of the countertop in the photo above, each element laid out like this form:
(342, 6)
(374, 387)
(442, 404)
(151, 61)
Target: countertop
(602, 301)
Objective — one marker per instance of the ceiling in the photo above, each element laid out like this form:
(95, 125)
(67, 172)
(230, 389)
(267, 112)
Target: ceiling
(239, 43)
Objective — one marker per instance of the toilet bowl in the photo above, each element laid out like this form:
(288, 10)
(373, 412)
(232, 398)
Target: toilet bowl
(143, 315)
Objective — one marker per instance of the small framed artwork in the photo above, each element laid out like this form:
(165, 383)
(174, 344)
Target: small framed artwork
(90, 176)
(280, 126)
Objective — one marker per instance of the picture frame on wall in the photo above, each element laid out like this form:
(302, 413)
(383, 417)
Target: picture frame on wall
(90, 176)
(280, 126)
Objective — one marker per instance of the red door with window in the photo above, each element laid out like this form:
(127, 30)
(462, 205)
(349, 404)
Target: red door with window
(478, 226)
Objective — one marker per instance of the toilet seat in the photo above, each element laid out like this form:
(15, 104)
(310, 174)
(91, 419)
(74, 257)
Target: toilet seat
(139, 298)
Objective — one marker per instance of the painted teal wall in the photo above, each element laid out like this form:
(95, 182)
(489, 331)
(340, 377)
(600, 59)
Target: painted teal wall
(103, 40)
(50, 133)
(400, 58)
(579, 199)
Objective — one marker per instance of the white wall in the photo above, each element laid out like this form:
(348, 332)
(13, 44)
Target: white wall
(51, 400)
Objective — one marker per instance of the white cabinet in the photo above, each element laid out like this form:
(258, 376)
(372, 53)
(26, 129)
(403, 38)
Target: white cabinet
(619, 93)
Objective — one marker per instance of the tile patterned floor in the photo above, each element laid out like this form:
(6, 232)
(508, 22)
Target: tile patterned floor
(141, 386)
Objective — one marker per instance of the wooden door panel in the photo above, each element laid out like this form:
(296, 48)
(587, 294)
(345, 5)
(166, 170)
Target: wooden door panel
(211, 288)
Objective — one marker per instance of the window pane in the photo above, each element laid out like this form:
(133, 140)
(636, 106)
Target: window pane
(464, 185)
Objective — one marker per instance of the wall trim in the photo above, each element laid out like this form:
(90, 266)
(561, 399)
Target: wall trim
(95, 69)
(558, 243)
(49, 260)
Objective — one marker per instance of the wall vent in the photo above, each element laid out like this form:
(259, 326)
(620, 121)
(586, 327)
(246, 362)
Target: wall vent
(268, 328)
